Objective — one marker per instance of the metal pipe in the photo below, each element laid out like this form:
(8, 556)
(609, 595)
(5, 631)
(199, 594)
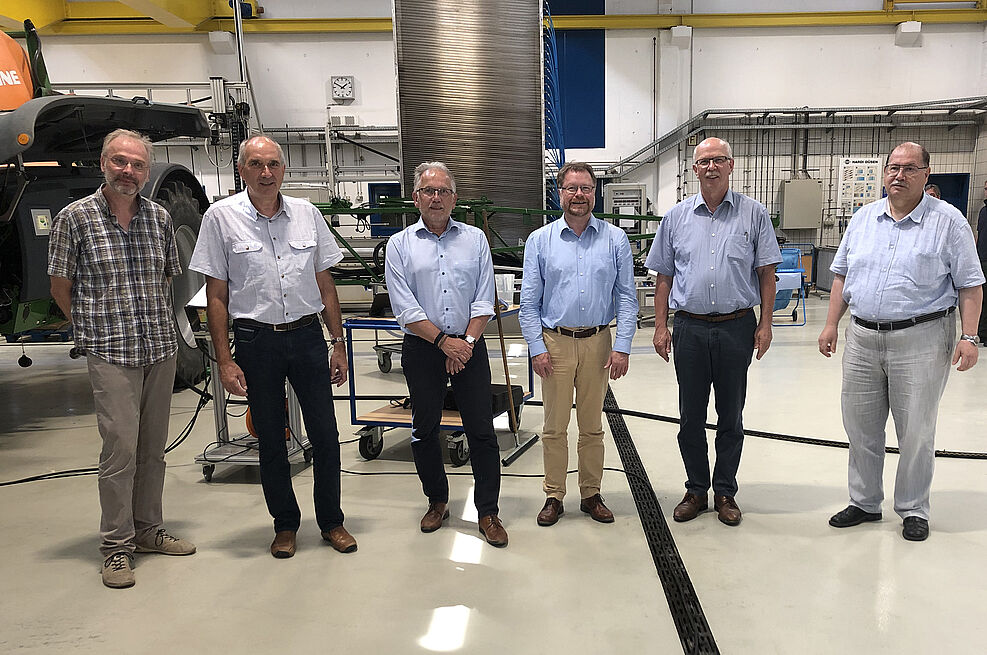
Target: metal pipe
(238, 32)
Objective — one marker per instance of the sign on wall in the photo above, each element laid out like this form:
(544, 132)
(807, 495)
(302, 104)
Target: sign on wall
(860, 183)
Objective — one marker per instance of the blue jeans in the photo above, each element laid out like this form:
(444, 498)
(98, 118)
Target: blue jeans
(716, 354)
(425, 370)
(301, 356)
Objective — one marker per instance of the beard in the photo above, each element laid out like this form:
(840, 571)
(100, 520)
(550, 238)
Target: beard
(123, 184)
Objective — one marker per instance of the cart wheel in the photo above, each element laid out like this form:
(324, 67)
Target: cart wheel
(459, 453)
(207, 471)
(384, 362)
(795, 315)
(371, 444)
(307, 454)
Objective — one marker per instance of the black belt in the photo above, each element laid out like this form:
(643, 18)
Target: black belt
(580, 334)
(714, 318)
(304, 321)
(884, 326)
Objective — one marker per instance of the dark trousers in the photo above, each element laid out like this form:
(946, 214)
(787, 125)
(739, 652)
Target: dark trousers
(982, 327)
(302, 357)
(424, 368)
(718, 355)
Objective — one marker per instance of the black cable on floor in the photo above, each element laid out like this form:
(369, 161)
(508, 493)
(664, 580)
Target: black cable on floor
(683, 602)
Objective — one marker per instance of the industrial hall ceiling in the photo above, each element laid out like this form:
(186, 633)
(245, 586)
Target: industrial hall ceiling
(198, 16)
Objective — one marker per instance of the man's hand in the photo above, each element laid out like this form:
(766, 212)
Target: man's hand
(662, 340)
(966, 354)
(762, 338)
(338, 366)
(827, 340)
(617, 363)
(542, 365)
(454, 366)
(232, 378)
(456, 349)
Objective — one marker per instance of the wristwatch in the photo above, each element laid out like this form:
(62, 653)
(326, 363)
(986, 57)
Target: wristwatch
(972, 338)
(470, 339)
(334, 340)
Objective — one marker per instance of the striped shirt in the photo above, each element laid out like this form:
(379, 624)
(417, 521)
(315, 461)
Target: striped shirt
(121, 299)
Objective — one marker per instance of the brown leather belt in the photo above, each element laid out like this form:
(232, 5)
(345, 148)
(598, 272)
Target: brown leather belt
(304, 321)
(884, 326)
(714, 318)
(580, 334)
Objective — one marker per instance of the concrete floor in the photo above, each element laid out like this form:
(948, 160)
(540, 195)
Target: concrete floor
(782, 582)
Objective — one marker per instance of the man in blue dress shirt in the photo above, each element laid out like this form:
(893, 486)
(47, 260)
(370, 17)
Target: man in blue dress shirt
(266, 258)
(578, 276)
(904, 263)
(440, 281)
(715, 255)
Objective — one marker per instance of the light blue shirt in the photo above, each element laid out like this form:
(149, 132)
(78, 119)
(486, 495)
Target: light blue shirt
(900, 270)
(446, 279)
(577, 281)
(269, 263)
(713, 257)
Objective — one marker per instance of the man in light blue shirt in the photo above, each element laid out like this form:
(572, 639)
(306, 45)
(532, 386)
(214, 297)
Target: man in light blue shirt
(440, 281)
(266, 257)
(578, 276)
(903, 265)
(715, 255)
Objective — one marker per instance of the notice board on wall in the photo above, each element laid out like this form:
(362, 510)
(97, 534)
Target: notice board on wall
(860, 183)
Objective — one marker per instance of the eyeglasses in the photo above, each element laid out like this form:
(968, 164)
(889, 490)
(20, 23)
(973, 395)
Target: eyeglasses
(719, 161)
(571, 190)
(908, 169)
(433, 191)
(123, 162)
(258, 165)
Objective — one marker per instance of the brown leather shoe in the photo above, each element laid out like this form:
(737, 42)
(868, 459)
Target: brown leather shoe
(493, 530)
(340, 539)
(283, 545)
(727, 510)
(594, 507)
(550, 513)
(436, 514)
(690, 507)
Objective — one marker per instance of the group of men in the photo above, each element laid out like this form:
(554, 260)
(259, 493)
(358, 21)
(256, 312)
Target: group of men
(904, 264)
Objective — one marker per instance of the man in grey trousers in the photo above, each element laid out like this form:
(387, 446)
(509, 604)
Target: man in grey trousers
(904, 264)
(110, 258)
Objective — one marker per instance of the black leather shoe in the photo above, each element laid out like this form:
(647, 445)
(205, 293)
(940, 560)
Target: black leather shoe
(852, 516)
(916, 529)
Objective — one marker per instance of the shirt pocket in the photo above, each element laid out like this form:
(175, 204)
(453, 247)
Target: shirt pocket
(740, 251)
(302, 254)
(247, 260)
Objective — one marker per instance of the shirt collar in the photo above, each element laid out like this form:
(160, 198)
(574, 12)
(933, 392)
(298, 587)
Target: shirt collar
(916, 215)
(256, 215)
(698, 200)
(104, 204)
(418, 227)
(594, 223)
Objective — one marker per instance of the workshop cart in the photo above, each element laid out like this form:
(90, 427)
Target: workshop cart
(395, 415)
(790, 283)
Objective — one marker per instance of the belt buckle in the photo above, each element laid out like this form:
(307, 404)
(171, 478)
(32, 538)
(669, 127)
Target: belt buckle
(281, 327)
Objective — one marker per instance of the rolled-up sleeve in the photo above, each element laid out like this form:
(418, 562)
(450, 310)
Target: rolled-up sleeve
(532, 291)
(405, 306)
(209, 256)
(964, 264)
(329, 253)
(483, 299)
(625, 297)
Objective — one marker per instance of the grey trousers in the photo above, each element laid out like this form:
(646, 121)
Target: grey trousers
(903, 371)
(133, 405)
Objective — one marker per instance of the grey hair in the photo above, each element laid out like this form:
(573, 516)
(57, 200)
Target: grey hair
(723, 141)
(136, 136)
(241, 159)
(421, 168)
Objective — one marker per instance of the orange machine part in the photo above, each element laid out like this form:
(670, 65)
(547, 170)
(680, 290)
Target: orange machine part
(253, 433)
(16, 86)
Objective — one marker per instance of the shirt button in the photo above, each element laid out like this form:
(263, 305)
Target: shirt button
(712, 302)
(712, 252)
(443, 272)
(711, 268)
(711, 286)
(285, 295)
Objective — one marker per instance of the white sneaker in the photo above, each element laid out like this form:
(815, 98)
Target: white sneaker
(118, 572)
(164, 543)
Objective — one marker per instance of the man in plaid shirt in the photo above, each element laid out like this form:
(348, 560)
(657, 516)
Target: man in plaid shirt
(110, 257)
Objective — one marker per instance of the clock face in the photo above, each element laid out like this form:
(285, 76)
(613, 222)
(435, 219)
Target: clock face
(342, 87)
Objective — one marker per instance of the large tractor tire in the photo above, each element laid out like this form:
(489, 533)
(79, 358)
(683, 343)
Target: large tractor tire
(181, 203)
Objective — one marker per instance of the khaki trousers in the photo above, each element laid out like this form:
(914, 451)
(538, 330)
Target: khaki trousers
(133, 404)
(578, 366)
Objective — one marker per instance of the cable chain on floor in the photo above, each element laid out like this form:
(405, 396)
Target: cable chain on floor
(687, 612)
